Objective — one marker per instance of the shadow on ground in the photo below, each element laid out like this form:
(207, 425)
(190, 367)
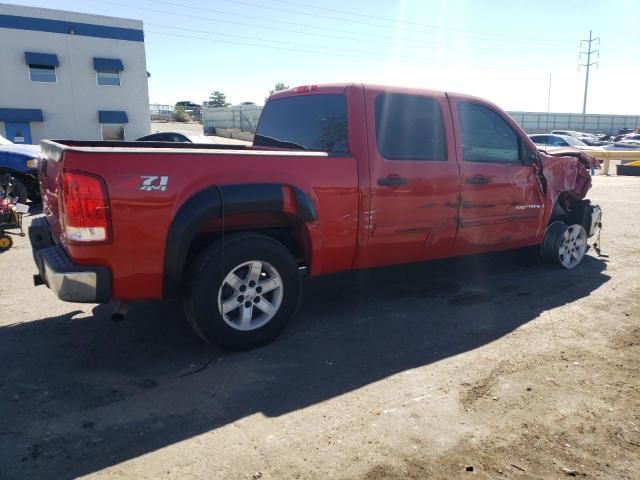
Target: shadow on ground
(79, 393)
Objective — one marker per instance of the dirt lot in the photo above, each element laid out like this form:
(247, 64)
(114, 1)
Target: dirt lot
(426, 371)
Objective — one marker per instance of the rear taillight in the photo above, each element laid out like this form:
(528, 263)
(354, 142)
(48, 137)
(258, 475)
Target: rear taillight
(85, 208)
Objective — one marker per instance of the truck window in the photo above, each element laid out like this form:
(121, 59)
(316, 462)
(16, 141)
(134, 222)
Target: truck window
(486, 136)
(409, 127)
(307, 122)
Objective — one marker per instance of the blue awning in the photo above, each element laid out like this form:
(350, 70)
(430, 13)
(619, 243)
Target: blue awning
(112, 116)
(108, 64)
(48, 59)
(21, 115)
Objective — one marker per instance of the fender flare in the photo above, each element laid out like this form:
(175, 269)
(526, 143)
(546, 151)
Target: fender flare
(214, 202)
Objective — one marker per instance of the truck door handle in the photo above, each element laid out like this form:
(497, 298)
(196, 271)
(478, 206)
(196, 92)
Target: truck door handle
(477, 180)
(391, 181)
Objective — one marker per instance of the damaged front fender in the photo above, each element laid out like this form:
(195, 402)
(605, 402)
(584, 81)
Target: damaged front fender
(567, 171)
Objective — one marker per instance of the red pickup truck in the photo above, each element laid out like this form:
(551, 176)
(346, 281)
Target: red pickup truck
(339, 177)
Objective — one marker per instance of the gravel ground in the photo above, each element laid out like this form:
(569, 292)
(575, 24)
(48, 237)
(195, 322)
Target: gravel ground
(468, 368)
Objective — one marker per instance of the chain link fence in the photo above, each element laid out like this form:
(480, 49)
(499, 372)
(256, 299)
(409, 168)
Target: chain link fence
(164, 113)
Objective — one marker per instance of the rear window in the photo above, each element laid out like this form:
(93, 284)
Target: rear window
(409, 127)
(307, 122)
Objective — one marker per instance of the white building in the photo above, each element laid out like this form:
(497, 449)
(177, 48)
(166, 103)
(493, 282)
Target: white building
(66, 75)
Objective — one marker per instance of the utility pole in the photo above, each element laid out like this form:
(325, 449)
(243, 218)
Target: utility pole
(588, 65)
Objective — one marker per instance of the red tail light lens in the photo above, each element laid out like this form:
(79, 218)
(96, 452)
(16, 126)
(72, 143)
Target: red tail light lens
(305, 88)
(85, 208)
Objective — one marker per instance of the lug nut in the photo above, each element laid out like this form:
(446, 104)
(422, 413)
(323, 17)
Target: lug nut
(247, 304)
(259, 290)
(256, 300)
(240, 299)
(243, 288)
(252, 284)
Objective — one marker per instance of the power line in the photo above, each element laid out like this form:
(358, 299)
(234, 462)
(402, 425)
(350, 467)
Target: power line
(422, 26)
(300, 32)
(337, 30)
(588, 65)
(410, 58)
(300, 50)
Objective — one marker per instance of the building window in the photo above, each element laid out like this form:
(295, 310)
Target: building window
(107, 77)
(112, 131)
(108, 70)
(42, 66)
(42, 73)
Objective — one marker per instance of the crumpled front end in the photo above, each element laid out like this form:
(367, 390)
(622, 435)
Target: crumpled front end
(567, 170)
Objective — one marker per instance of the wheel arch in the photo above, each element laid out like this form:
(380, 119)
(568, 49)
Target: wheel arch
(219, 203)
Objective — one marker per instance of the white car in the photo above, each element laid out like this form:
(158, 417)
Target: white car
(552, 140)
(178, 136)
(630, 141)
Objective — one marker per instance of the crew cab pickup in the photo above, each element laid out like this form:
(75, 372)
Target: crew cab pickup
(339, 177)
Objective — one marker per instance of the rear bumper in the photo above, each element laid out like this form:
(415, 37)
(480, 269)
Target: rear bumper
(70, 282)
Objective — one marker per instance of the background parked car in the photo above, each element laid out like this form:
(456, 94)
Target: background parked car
(630, 141)
(552, 140)
(21, 162)
(175, 136)
(587, 138)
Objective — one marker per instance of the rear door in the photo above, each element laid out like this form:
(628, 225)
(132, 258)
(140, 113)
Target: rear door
(413, 177)
(501, 197)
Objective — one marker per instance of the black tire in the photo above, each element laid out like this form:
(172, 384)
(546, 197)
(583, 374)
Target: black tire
(20, 190)
(552, 242)
(6, 242)
(205, 277)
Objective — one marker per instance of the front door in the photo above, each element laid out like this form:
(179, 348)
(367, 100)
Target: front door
(18, 132)
(413, 206)
(501, 198)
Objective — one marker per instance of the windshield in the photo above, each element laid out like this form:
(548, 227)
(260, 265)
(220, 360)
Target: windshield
(573, 141)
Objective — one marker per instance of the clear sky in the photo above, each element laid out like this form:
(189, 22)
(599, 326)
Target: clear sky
(503, 50)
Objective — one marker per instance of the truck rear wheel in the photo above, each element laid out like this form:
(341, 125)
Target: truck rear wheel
(565, 245)
(242, 291)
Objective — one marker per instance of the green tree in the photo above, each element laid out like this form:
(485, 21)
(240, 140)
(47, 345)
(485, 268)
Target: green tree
(218, 99)
(278, 86)
(179, 115)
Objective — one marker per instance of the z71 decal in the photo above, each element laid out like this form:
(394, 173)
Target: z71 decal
(154, 182)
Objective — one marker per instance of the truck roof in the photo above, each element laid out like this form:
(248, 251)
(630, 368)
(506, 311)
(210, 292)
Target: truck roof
(326, 88)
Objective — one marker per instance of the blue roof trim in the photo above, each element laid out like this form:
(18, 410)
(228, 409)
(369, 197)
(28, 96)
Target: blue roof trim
(112, 116)
(61, 26)
(108, 64)
(49, 59)
(21, 115)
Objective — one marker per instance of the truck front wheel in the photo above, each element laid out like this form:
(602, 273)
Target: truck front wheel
(242, 291)
(565, 245)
